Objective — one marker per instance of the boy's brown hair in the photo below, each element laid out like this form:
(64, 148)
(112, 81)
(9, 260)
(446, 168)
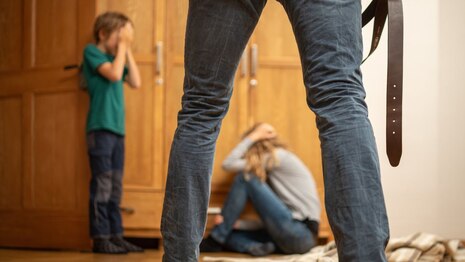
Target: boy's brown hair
(109, 22)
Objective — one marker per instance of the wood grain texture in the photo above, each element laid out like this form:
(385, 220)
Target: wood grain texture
(11, 30)
(43, 163)
(10, 153)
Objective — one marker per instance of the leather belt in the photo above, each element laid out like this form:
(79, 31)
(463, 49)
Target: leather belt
(380, 10)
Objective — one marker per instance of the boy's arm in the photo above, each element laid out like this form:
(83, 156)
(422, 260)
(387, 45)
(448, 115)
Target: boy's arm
(133, 76)
(114, 71)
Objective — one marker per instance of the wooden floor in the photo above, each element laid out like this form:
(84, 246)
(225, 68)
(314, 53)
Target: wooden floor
(14, 255)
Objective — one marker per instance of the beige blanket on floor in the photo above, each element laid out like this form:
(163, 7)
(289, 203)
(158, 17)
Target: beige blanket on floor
(420, 247)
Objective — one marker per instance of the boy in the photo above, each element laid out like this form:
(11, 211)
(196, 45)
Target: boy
(106, 64)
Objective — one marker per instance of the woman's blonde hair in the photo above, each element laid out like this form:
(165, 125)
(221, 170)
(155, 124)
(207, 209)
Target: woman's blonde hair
(261, 156)
(109, 22)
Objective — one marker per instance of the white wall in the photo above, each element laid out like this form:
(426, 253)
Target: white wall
(424, 193)
(451, 174)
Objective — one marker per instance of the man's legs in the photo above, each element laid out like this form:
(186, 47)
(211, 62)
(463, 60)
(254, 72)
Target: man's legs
(216, 35)
(328, 33)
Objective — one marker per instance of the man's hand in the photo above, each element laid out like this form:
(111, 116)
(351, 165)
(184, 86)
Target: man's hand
(262, 132)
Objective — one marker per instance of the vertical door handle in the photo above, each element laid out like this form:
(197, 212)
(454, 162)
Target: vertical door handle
(254, 66)
(245, 63)
(159, 63)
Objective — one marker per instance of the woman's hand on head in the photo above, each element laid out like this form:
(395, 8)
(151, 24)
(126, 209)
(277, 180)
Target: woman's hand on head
(262, 132)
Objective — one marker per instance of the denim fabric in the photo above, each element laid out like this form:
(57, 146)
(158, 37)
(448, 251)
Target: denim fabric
(106, 156)
(290, 235)
(328, 34)
(242, 240)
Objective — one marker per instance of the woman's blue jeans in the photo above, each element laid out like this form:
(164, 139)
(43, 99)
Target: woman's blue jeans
(328, 34)
(289, 235)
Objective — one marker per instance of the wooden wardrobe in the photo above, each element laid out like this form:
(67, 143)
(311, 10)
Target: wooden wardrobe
(44, 170)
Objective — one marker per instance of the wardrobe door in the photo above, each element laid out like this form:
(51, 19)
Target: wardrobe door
(277, 94)
(44, 171)
(143, 180)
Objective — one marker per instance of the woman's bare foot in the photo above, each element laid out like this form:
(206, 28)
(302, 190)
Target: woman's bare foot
(218, 219)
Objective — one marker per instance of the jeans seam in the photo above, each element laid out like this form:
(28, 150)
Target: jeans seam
(224, 49)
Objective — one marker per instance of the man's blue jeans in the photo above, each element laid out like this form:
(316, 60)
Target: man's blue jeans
(289, 235)
(328, 34)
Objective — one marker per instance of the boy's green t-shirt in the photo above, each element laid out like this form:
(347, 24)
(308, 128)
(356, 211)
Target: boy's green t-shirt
(106, 110)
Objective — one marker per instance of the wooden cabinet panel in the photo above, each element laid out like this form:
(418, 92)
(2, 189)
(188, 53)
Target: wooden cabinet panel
(142, 210)
(44, 230)
(274, 33)
(11, 25)
(55, 132)
(139, 140)
(10, 153)
(44, 171)
(54, 32)
(142, 107)
(176, 27)
(143, 179)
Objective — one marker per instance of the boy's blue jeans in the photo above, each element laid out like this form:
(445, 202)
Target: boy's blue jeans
(289, 235)
(328, 34)
(106, 156)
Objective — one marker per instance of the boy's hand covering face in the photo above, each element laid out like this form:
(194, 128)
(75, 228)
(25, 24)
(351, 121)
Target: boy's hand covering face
(126, 34)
